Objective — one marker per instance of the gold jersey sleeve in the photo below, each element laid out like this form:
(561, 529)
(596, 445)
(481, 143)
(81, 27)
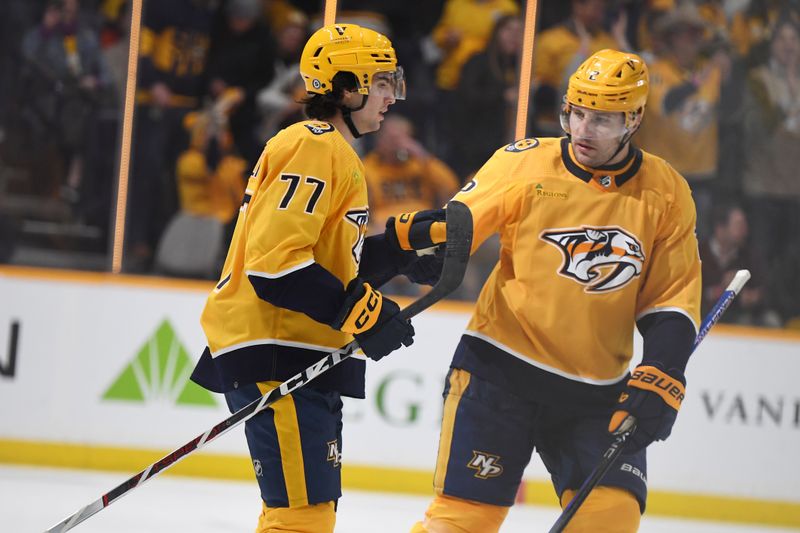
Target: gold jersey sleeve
(493, 194)
(305, 203)
(583, 255)
(673, 275)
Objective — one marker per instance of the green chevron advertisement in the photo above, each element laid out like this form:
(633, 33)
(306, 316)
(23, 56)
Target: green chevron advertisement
(160, 370)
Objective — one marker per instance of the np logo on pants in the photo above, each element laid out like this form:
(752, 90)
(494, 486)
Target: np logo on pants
(333, 453)
(485, 465)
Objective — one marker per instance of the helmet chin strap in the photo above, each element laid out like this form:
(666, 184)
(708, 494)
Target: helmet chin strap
(346, 112)
(622, 143)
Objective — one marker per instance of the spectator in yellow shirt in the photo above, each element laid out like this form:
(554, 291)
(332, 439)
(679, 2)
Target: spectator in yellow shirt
(464, 30)
(402, 176)
(560, 49)
(682, 117)
(211, 175)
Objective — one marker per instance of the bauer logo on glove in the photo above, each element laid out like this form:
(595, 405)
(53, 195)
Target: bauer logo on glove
(652, 399)
(652, 379)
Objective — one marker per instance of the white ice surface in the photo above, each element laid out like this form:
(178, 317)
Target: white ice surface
(33, 499)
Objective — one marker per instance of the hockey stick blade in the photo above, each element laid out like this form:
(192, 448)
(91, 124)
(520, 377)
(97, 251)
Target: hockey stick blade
(458, 245)
(629, 424)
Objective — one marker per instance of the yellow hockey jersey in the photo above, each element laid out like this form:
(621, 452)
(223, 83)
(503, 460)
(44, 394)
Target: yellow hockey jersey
(305, 203)
(584, 254)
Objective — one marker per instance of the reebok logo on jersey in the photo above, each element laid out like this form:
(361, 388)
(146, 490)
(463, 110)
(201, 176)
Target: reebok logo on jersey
(485, 465)
(604, 259)
(522, 145)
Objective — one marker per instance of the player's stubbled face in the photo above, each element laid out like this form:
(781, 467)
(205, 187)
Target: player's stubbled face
(595, 135)
(381, 96)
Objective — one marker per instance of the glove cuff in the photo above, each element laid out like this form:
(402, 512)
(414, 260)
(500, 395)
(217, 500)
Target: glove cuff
(427, 231)
(651, 378)
(361, 308)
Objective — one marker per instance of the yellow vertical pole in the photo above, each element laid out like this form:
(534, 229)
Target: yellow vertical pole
(330, 12)
(526, 65)
(125, 147)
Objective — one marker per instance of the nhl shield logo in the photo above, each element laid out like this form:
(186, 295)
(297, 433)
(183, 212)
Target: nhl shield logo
(604, 259)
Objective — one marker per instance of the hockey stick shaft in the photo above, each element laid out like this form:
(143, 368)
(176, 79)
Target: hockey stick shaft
(457, 250)
(616, 448)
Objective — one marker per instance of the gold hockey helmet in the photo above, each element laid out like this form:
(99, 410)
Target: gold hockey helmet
(610, 81)
(349, 48)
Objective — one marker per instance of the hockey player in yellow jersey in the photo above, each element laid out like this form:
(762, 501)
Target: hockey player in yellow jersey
(597, 237)
(300, 280)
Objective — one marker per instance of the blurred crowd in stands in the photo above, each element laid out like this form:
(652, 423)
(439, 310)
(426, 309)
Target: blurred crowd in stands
(216, 78)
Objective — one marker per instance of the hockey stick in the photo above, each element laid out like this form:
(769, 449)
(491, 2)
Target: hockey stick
(458, 244)
(629, 424)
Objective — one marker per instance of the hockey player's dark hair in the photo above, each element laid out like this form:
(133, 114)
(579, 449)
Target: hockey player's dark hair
(325, 106)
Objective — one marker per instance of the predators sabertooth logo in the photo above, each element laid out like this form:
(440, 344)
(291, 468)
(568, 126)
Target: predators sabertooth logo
(604, 259)
(360, 219)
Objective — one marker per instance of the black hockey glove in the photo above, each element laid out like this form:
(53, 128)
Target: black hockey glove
(653, 397)
(419, 230)
(373, 321)
(425, 269)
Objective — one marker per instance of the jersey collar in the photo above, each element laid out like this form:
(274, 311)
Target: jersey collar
(605, 176)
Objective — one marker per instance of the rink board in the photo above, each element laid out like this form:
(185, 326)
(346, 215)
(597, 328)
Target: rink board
(100, 381)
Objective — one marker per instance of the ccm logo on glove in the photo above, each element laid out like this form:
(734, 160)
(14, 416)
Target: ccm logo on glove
(364, 311)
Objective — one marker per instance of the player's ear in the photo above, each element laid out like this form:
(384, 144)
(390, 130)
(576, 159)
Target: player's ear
(352, 99)
(637, 120)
